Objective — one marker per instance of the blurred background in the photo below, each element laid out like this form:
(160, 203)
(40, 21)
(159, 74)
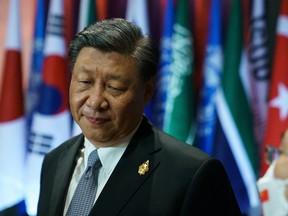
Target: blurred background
(222, 83)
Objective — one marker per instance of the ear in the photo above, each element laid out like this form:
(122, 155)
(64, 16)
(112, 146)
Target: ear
(149, 89)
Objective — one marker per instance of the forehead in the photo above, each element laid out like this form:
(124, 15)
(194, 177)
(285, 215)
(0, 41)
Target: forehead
(90, 58)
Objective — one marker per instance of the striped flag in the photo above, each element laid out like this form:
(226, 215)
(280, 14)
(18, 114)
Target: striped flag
(206, 118)
(12, 121)
(235, 144)
(277, 120)
(161, 91)
(179, 105)
(87, 13)
(33, 96)
(259, 71)
(51, 123)
(35, 81)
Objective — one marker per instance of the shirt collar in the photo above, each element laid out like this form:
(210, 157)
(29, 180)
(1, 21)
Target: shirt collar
(109, 156)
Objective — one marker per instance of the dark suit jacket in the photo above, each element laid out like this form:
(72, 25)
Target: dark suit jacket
(181, 180)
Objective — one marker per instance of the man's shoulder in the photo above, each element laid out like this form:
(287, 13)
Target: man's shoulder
(184, 159)
(181, 149)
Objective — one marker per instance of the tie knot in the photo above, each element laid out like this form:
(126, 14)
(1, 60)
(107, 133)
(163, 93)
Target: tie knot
(93, 158)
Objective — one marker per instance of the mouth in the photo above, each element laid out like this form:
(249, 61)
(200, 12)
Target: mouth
(96, 120)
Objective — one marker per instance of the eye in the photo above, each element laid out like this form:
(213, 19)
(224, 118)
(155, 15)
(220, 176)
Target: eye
(115, 90)
(84, 82)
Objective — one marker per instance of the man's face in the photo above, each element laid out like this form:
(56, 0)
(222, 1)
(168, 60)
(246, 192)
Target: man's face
(107, 97)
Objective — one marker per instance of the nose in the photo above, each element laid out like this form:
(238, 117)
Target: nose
(96, 99)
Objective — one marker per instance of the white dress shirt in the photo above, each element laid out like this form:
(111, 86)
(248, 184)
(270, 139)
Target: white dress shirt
(109, 157)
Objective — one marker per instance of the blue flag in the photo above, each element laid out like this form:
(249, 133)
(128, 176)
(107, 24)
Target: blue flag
(206, 117)
(235, 142)
(37, 61)
(33, 96)
(160, 96)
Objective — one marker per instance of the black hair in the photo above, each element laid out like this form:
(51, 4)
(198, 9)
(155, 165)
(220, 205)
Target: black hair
(121, 36)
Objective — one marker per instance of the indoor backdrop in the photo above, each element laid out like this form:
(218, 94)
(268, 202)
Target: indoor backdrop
(222, 83)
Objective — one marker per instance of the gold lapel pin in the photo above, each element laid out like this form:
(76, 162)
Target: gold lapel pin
(143, 168)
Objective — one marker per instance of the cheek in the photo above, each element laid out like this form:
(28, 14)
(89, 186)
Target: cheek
(76, 98)
(131, 106)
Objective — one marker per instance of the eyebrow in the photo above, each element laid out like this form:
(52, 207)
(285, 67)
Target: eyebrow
(109, 76)
(117, 77)
(84, 69)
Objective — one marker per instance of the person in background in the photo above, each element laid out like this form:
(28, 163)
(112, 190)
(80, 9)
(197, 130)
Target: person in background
(273, 186)
(121, 164)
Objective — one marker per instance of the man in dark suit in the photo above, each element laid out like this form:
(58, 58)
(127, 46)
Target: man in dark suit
(142, 170)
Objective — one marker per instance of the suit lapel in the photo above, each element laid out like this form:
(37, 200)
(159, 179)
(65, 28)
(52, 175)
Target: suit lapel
(125, 179)
(64, 171)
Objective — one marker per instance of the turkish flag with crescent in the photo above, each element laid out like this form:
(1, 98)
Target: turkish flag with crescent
(277, 120)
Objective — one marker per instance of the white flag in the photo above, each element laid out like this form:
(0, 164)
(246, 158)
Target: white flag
(12, 121)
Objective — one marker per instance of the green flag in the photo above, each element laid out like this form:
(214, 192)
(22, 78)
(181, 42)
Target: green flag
(233, 87)
(179, 110)
(235, 114)
(87, 13)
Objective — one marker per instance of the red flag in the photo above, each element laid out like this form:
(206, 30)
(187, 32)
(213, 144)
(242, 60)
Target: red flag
(201, 12)
(102, 6)
(277, 120)
(12, 121)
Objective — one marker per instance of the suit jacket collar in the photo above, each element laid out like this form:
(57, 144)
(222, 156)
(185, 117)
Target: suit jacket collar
(123, 182)
(125, 179)
(65, 167)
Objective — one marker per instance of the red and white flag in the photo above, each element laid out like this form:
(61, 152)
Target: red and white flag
(277, 120)
(12, 121)
(51, 123)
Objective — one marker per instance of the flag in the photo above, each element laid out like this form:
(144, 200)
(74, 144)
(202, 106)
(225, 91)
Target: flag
(12, 120)
(102, 9)
(87, 14)
(234, 139)
(35, 81)
(179, 105)
(137, 13)
(160, 95)
(200, 11)
(259, 69)
(117, 8)
(32, 95)
(206, 115)
(51, 123)
(277, 119)
(71, 17)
